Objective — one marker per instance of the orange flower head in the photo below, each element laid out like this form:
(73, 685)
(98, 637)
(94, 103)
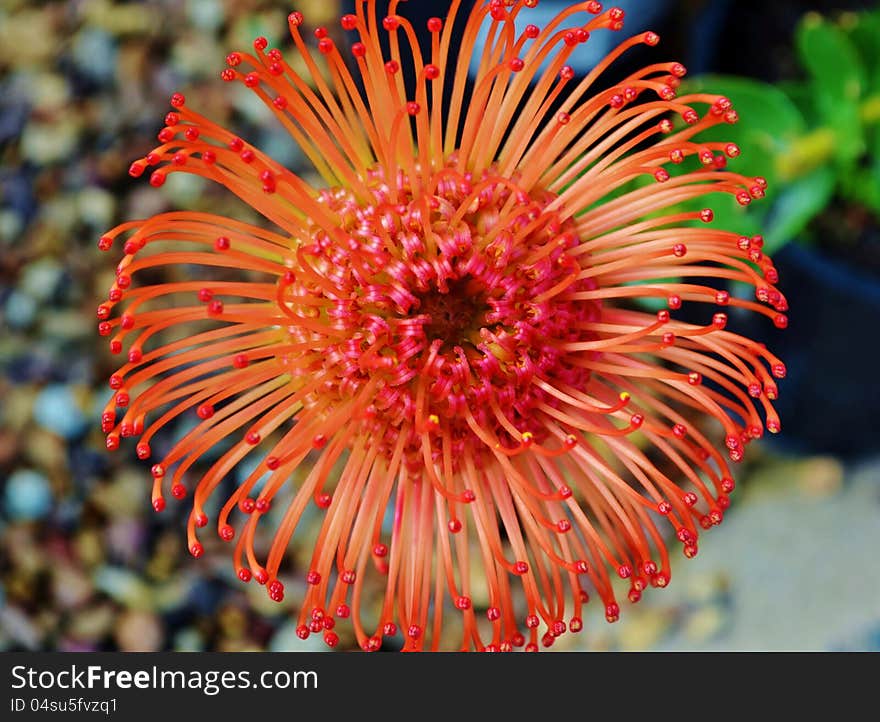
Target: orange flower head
(434, 357)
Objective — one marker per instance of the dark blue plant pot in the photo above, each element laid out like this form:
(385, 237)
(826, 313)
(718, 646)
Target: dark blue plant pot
(830, 399)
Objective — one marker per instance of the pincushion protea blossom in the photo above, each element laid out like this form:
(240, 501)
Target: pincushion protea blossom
(442, 354)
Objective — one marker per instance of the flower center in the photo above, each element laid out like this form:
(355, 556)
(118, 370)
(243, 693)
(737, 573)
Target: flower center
(448, 301)
(455, 315)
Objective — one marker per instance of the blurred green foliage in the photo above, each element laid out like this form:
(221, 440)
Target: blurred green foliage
(815, 139)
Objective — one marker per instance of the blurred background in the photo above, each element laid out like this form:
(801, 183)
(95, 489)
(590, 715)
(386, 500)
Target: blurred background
(84, 563)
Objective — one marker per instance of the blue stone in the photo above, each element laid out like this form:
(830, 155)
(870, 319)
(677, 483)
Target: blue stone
(27, 495)
(57, 410)
(20, 310)
(94, 53)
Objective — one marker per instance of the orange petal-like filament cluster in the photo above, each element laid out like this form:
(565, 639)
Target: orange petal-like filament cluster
(437, 354)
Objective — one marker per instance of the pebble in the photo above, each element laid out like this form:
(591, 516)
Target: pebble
(120, 19)
(188, 640)
(20, 310)
(642, 630)
(18, 627)
(205, 595)
(41, 279)
(126, 536)
(70, 586)
(705, 623)
(27, 38)
(57, 216)
(9, 447)
(233, 621)
(64, 326)
(15, 114)
(96, 207)
(705, 588)
(127, 495)
(10, 224)
(174, 593)
(49, 93)
(86, 463)
(45, 450)
(23, 367)
(20, 202)
(190, 54)
(46, 143)
(57, 409)
(123, 585)
(94, 54)
(822, 476)
(139, 631)
(89, 547)
(27, 495)
(184, 188)
(206, 15)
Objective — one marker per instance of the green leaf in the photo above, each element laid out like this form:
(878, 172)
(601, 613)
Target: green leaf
(871, 116)
(796, 206)
(863, 30)
(874, 178)
(838, 81)
(801, 94)
(768, 122)
(872, 189)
